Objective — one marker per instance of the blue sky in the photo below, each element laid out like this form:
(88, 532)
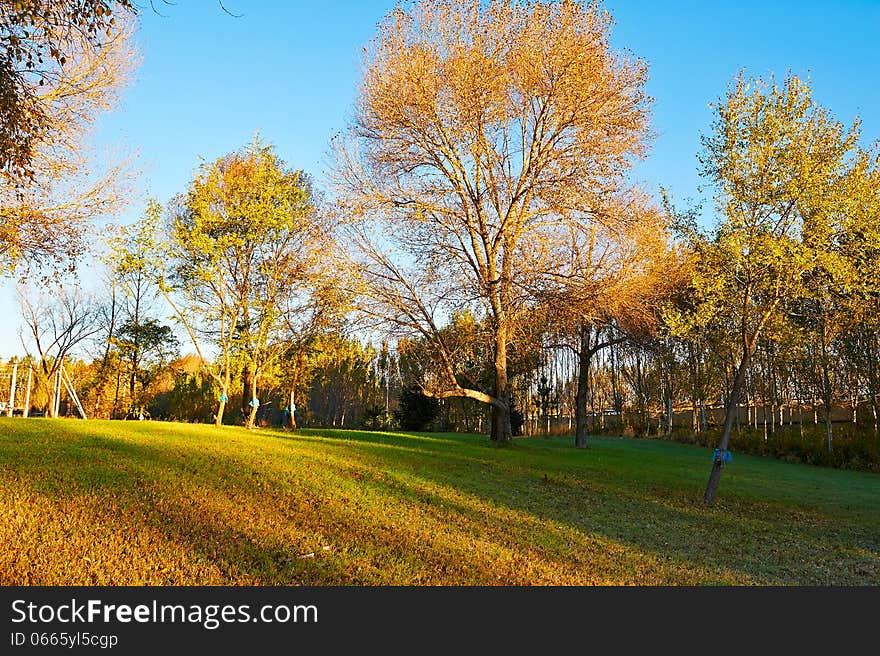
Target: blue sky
(290, 70)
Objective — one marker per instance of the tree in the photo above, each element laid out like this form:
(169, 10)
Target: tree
(39, 39)
(859, 244)
(773, 156)
(485, 134)
(465, 338)
(247, 242)
(193, 284)
(345, 386)
(143, 346)
(318, 306)
(108, 318)
(612, 287)
(136, 263)
(44, 215)
(55, 325)
(416, 411)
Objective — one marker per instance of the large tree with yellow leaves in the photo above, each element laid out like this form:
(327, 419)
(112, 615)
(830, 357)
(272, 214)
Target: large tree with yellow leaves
(488, 141)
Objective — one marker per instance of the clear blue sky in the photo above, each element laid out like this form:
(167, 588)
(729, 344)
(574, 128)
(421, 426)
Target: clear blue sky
(290, 70)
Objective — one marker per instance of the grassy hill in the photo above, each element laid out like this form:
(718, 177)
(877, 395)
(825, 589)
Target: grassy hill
(130, 503)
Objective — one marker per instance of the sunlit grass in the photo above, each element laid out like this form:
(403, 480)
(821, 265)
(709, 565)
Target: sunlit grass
(159, 503)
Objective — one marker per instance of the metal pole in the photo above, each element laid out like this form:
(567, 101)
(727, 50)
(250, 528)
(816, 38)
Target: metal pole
(56, 409)
(12, 390)
(71, 391)
(27, 396)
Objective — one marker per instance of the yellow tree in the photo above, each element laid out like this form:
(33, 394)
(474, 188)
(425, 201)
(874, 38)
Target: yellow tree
(248, 249)
(317, 305)
(485, 136)
(859, 244)
(612, 288)
(44, 216)
(136, 261)
(773, 156)
(38, 40)
(834, 214)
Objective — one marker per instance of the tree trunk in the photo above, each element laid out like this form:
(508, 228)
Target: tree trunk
(692, 366)
(828, 424)
(872, 377)
(501, 430)
(641, 401)
(221, 407)
(252, 415)
(52, 389)
(738, 413)
(732, 407)
(615, 385)
(218, 419)
(801, 417)
(580, 399)
(132, 382)
(754, 384)
(771, 374)
(135, 356)
(224, 394)
(826, 387)
(115, 410)
(245, 389)
(293, 383)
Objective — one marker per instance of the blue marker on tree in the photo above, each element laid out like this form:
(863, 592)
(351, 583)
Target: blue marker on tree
(726, 455)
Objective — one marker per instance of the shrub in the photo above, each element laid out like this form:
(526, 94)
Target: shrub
(516, 421)
(416, 411)
(852, 447)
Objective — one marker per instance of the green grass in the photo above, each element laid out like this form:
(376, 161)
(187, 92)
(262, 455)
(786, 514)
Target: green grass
(130, 503)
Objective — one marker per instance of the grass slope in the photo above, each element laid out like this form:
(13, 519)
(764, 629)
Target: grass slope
(113, 503)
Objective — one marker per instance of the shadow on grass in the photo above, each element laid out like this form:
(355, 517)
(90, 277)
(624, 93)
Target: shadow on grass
(767, 540)
(397, 509)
